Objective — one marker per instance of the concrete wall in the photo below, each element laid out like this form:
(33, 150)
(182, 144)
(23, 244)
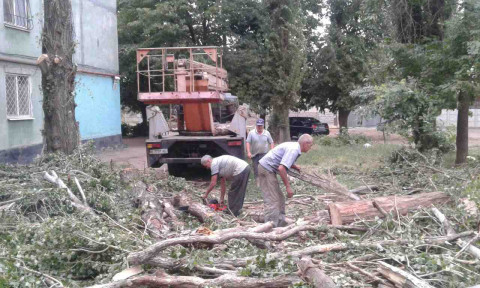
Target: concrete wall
(98, 102)
(449, 118)
(96, 32)
(18, 42)
(98, 106)
(16, 133)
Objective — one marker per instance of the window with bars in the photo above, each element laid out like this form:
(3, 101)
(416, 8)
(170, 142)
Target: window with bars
(19, 103)
(17, 13)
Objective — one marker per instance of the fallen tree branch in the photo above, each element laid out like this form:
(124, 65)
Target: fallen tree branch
(73, 199)
(328, 184)
(226, 281)
(10, 201)
(363, 189)
(316, 249)
(219, 238)
(401, 277)
(473, 250)
(370, 275)
(314, 275)
(81, 191)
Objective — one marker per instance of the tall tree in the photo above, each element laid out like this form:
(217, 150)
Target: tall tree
(58, 77)
(285, 61)
(461, 63)
(341, 62)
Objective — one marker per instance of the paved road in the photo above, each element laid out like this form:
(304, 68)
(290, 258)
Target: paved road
(132, 155)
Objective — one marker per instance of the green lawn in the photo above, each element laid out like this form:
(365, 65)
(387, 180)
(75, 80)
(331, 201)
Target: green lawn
(348, 163)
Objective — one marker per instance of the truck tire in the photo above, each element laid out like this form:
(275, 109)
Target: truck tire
(176, 170)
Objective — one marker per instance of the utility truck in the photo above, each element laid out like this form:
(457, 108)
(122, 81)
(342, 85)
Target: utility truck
(193, 79)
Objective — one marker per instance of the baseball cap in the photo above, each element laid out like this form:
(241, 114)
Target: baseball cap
(260, 122)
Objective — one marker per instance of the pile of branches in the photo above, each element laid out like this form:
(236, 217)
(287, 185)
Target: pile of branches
(72, 221)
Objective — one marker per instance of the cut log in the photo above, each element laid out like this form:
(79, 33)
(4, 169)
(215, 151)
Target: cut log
(151, 209)
(400, 277)
(314, 275)
(325, 182)
(202, 212)
(348, 212)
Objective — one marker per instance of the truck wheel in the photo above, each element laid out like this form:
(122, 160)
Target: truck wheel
(176, 169)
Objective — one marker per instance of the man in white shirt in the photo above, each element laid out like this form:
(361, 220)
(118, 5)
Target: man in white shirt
(258, 142)
(228, 168)
(278, 161)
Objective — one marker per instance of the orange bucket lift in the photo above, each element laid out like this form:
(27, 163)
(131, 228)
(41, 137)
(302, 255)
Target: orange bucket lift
(190, 76)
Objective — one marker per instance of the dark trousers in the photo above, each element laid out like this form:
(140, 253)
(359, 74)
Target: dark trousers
(237, 191)
(255, 160)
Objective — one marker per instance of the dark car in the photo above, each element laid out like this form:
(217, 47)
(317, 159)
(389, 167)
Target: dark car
(307, 125)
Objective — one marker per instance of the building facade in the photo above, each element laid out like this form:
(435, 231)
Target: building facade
(97, 92)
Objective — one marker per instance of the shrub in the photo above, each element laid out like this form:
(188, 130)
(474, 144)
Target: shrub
(344, 139)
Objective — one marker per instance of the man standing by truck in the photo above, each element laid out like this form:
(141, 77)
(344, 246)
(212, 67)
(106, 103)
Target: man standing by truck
(279, 160)
(258, 141)
(228, 168)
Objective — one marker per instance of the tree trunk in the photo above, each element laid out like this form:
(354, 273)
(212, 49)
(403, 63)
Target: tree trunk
(61, 130)
(462, 128)
(279, 124)
(343, 118)
(347, 212)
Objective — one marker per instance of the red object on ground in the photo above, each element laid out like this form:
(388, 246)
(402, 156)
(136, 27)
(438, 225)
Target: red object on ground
(218, 207)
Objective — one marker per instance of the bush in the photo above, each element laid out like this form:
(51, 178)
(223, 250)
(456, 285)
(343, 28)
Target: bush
(138, 130)
(344, 139)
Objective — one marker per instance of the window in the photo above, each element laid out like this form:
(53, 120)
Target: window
(17, 13)
(19, 104)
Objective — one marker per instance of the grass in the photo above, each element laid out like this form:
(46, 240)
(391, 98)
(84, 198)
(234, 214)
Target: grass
(348, 156)
(347, 162)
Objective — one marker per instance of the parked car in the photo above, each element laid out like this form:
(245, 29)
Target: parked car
(307, 125)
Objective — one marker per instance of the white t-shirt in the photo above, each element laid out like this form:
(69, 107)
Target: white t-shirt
(284, 154)
(227, 166)
(259, 142)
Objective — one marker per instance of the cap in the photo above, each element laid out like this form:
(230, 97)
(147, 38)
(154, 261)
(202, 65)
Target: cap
(260, 122)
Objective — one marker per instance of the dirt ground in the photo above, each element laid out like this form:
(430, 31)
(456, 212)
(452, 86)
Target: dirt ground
(133, 155)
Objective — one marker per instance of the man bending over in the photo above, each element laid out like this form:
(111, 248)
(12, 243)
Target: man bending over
(228, 168)
(278, 161)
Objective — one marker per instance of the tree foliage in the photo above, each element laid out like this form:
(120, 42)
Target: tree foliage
(285, 59)
(342, 61)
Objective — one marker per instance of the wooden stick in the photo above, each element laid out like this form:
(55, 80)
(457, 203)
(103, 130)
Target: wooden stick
(219, 238)
(323, 182)
(314, 275)
(81, 191)
(73, 199)
(229, 280)
(370, 275)
(473, 250)
(316, 249)
(401, 277)
(379, 208)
